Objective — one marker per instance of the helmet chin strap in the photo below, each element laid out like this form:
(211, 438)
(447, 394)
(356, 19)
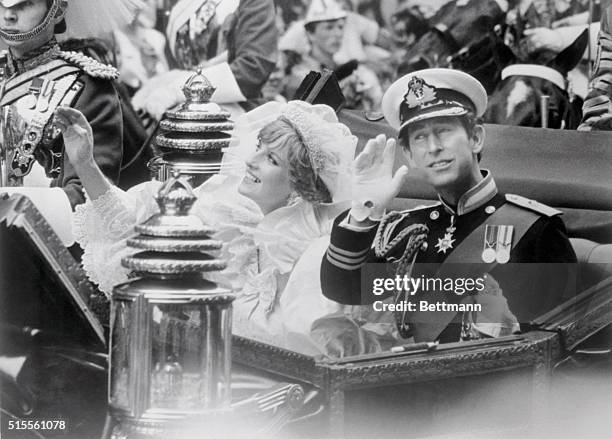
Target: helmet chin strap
(40, 28)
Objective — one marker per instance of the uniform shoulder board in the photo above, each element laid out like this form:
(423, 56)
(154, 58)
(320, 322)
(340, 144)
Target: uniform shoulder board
(89, 65)
(533, 205)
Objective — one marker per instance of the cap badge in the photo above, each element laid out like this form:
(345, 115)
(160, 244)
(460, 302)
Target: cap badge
(419, 92)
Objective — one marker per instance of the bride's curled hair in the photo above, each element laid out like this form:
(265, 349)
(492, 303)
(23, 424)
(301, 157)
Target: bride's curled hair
(302, 176)
(319, 148)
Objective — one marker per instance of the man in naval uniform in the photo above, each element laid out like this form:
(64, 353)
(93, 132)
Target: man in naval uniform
(233, 41)
(38, 78)
(436, 113)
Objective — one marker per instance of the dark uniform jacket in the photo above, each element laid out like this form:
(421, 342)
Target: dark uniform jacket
(530, 290)
(34, 87)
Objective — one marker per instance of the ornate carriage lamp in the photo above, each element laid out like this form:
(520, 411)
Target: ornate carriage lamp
(171, 328)
(193, 135)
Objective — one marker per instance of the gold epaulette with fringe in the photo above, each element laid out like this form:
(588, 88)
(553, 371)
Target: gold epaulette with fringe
(89, 65)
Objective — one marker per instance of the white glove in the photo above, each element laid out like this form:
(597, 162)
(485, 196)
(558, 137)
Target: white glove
(161, 92)
(373, 184)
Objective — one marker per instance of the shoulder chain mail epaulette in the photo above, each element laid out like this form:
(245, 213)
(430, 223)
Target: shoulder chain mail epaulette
(89, 65)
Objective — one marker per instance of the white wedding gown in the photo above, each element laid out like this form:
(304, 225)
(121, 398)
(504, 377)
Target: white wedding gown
(273, 260)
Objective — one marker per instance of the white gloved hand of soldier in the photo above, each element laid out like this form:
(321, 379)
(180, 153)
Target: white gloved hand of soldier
(373, 183)
(161, 92)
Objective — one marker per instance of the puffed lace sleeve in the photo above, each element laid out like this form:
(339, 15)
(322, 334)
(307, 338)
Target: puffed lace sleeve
(102, 226)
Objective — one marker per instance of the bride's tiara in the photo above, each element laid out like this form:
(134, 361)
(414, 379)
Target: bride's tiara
(299, 120)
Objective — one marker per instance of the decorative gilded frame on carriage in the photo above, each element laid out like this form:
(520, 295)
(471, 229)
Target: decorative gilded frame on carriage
(536, 352)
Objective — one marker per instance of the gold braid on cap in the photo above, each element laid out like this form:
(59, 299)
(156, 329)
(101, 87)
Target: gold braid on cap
(300, 123)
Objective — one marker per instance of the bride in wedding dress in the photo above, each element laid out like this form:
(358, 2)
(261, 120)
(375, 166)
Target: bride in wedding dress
(274, 215)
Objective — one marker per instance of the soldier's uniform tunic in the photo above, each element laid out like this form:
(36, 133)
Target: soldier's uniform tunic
(33, 88)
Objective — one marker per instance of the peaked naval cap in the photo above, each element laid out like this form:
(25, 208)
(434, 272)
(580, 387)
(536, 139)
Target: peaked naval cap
(430, 93)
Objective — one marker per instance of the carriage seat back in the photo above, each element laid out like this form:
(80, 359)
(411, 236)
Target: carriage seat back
(594, 261)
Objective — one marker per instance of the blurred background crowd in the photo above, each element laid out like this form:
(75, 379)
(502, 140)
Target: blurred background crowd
(270, 46)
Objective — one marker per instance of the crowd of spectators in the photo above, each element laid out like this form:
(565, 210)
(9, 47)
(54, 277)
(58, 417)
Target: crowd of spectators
(362, 41)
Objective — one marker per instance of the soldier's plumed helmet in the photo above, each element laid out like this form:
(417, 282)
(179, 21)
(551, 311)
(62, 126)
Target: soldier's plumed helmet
(430, 93)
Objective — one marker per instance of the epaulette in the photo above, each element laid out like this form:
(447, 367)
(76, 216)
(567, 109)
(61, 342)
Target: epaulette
(89, 65)
(533, 205)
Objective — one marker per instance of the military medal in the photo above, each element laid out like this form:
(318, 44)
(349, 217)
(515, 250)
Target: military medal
(45, 95)
(490, 244)
(504, 242)
(446, 242)
(31, 99)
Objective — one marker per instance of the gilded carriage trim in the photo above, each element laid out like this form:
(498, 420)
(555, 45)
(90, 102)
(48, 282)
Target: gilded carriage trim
(534, 352)
(289, 364)
(582, 316)
(20, 212)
